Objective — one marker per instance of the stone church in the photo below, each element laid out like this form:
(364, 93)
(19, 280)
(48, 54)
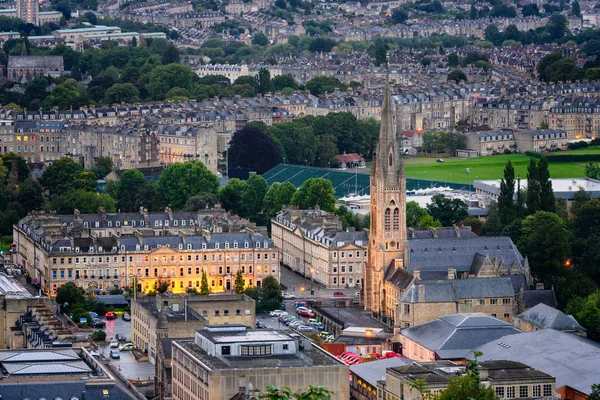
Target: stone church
(416, 276)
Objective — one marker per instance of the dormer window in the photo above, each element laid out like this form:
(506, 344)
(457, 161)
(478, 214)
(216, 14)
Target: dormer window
(166, 222)
(189, 246)
(203, 246)
(246, 245)
(145, 247)
(118, 223)
(85, 224)
(180, 247)
(175, 223)
(183, 222)
(235, 245)
(91, 249)
(156, 223)
(110, 224)
(217, 245)
(265, 245)
(258, 245)
(226, 245)
(137, 247)
(141, 223)
(132, 223)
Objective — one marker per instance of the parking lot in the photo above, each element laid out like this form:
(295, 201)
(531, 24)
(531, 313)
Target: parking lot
(128, 365)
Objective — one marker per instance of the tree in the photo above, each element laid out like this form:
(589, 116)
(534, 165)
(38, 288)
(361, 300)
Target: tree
(380, 53)
(475, 224)
(69, 293)
(82, 200)
(502, 10)
(260, 39)
(231, 196)
(529, 10)
(557, 26)
(448, 211)
(595, 394)
(30, 195)
(545, 241)
(14, 161)
(102, 167)
(264, 81)
(547, 200)
(444, 141)
(327, 151)
(252, 149)
(166, 77)
(122, 93)
(414, 214)
(313, 192)
(180, 181)
(533, 201)
(66, 95)
(457, 75)
(321, 45)
(204, 290)
(453, 60)
(322, 84)
(129, 185)
(201, 202)
(579, 199)
(284, 81)
(576, 9)
(399, 16)
(239, 285)
(91, 18)
(592, 170)
(58, 178)
(270, 288)
(162, 285)
(252, 198)
(506, 198)
(170, 54)
(278, 195)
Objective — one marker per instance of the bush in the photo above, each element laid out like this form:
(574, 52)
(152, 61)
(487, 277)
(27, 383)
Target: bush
(266, 305)
(98, 336)
(507, 151)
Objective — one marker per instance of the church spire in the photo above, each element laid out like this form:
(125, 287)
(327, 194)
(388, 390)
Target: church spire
(24, 49)
(388, 166)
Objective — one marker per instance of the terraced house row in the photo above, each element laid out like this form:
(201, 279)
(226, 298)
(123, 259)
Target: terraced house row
(103, 251)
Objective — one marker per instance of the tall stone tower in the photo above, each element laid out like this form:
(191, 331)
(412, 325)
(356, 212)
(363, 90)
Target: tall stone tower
(29, 11)
(387, 239)
(162, 332)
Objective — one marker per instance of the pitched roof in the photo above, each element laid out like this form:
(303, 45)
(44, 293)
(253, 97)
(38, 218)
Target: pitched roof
(547, 317)
(574, 361)
(48, 62)
(374, 371)
(455, 336)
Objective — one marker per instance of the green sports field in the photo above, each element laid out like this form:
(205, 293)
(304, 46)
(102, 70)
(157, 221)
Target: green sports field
(491, 167)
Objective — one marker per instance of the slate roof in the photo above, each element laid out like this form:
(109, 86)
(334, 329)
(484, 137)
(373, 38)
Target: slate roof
(374, 371)
(54, 63)
(62, 390)
(454, 336)
(574, 361)
(547, 317)
(451, 290)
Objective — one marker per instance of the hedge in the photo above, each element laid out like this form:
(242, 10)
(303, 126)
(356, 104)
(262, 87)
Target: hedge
(559, 157)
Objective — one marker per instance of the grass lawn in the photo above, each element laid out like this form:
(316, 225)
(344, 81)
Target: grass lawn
(489, 167)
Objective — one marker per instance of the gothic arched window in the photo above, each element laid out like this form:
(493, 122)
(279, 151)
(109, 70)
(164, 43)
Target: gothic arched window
(396, 218)
(390, 160)
(387, 225)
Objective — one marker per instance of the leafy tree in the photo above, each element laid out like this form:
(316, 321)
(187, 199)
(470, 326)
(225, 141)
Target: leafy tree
(70, 293)
(122, 93)
(399, 16)
(529, 10)
(447, 211)
(557, 26)
(239, 282)
(457, 75)
(204, 290)
(506, 201)
(162, 285)
(66, 95)
(576, 9)
(592, 170)
(128, 188)
(252, 149)
(595, 394)
(284, 81)
(579, 199)
(98, 336)
(180, 181)
(533, 200)
(547, 200)
(321, 84)
(270, 288)
(166, 77)
(231, 196)
(414, 214)
(82, 200)
(90, 17)
(313, 192)
(502, 10)
(321, 44)
(58, 178)
(444, 141)
(264, 81)
(545, 241)
(177, 93)
(30, 195)
(453, 60)
(170, 54)
(327, 151)
(278, 195)
(380, 53)
(260, 40)
(13, 160)
(475, 224)
(252, 198)
(201, 202)
(102, 167)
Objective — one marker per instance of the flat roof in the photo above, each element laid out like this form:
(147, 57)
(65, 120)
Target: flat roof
(562, 187)
(244, 335)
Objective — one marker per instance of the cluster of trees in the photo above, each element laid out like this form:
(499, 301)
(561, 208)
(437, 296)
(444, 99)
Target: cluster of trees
(254, 200)
(74, 302)
(311, 141)
(267, 296)
(472, 58)
(562, 251)
(554, 31)
(555, 67)
(443, 141)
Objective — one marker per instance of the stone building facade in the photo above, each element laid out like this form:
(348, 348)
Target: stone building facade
(102, 251)
(26, 68)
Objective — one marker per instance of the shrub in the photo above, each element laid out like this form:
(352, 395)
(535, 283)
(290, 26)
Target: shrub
(266, 305)
(98, 336)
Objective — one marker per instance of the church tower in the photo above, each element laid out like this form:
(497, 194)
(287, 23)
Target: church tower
(387, 239)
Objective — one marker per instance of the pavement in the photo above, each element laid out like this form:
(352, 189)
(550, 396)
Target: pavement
(300, 286)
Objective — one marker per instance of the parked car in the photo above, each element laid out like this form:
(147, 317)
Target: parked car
(98, 323)
(95, 354)
(324, 335)
(339, 294)
(302, 309)
(317, 325)
(126, 317)
(127, 347)
(440, 160)
(289, 320)
(278, 313)
(296, 324)
(120, 337)
(110, 315)
(306, 313)
(115, 354)
(93, 315)
(301, 304)
(114, 343)
(306, 328)
(288, 296)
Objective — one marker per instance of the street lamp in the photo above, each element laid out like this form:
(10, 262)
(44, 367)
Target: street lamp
(311, 280)
(302, 290)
